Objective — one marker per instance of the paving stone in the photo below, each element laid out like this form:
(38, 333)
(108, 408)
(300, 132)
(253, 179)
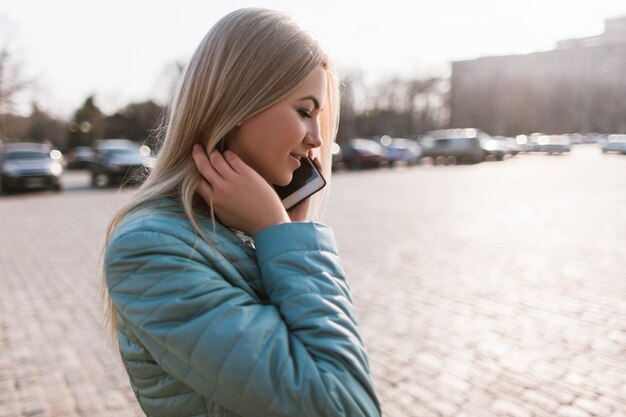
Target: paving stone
(489, 290)
(594, 407)
(560, 394)
(13, 409)
(616, 404)
(63, 406)
(34, 408)
(444, 408)
(477, 411)
(541, 400)
(114, 400)
(509, 408)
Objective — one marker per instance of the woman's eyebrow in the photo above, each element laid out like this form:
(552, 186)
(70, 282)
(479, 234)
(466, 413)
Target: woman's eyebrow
(313, 99)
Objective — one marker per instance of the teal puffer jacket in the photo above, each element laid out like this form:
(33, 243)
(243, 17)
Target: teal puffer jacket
(232, 330)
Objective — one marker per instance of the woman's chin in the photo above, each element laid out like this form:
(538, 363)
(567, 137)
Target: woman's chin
(284, 180)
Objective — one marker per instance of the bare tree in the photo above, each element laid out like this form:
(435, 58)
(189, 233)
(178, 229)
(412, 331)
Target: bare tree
(12, 82)
(351, 84)
(404, 106)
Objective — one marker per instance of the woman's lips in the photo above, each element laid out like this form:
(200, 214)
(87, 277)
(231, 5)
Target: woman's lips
(295, 160)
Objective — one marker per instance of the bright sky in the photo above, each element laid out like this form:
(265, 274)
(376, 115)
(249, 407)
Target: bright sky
(120, 49)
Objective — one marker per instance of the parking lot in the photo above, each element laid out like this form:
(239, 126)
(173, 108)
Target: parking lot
(494, 289)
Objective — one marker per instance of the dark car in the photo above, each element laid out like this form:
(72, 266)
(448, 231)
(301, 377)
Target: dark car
(80, 157)
(119, 162)
(452, 146)
(29, 166)
(401, 151)
(362, 153)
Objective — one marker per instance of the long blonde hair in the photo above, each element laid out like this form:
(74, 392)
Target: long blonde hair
(248, 61)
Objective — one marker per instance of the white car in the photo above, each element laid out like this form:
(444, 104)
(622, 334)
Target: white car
(398, 150)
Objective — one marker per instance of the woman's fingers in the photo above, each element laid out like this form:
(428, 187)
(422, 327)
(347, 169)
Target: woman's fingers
(235, 162)
(317, 163)
(205, 166)
(206, 191)
(231, 187)
(221, 165)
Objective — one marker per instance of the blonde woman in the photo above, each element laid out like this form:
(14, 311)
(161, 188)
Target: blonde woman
(224, 303)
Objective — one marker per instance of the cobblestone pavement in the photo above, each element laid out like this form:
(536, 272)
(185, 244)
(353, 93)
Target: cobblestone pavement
(489, 290)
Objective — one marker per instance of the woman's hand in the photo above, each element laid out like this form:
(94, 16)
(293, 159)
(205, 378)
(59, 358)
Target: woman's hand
(241, 198)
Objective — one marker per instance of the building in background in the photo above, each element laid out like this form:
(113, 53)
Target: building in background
(578, 87)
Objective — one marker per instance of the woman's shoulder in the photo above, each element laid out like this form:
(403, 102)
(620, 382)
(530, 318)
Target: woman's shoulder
(166, 218)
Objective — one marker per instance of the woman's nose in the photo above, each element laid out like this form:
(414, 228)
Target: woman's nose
(313, 137)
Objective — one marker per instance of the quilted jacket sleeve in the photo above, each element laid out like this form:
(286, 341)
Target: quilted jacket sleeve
(299, 355)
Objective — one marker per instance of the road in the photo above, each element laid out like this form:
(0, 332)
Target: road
(488, 290)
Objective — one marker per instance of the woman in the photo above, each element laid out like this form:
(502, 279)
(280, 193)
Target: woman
(225, 304)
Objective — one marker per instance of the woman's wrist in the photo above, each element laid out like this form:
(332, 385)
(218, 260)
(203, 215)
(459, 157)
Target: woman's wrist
(284, 218)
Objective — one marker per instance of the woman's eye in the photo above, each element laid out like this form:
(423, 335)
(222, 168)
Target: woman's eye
(304, 113)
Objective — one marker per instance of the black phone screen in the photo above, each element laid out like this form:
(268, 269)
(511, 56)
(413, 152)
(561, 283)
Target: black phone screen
(301, 176)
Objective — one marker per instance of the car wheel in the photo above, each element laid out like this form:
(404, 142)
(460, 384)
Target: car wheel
(451, 160)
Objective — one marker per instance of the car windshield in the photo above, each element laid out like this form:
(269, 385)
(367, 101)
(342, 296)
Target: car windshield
(444, 143)
(617, 139)
(557, 140)
(366, 144)
(402, 143)
(120, 151)
(25, 155)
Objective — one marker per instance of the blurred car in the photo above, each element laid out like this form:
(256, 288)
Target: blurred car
(399, 150)
(29, 166)
(552, 144)
(529, 143)
(615, 143)
(451, 146)
(594, 138)
(362, 153)
(495, 149)
(513, 146)
(80, 157)
(119, 162)
(524, 143)
(500, 147)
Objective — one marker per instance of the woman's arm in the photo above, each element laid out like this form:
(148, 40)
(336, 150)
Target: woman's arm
(300, 355)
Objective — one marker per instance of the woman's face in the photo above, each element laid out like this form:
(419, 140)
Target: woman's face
(273, 141)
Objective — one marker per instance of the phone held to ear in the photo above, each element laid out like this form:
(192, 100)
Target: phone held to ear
(306, 181)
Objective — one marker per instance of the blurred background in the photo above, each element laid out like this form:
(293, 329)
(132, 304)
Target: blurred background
(477, 199)
(73, 73)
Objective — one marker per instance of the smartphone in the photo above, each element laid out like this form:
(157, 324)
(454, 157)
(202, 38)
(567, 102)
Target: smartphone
(306, 181)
